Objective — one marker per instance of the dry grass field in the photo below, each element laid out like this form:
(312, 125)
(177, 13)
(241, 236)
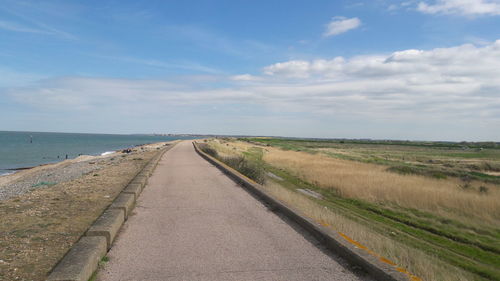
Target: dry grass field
(434, 211)
(374, 183)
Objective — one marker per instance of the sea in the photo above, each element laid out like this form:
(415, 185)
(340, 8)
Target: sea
(29, 149)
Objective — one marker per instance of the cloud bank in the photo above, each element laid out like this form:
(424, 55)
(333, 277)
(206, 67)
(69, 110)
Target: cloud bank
(461, 7)
(457, 86)
(460, 82)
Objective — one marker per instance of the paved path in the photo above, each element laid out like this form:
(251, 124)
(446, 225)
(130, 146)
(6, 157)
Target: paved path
(193, 223)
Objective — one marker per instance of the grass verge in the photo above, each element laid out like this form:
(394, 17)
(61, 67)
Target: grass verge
(433, 245)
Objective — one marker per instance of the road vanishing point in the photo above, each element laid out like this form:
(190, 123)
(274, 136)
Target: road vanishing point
(194, 223)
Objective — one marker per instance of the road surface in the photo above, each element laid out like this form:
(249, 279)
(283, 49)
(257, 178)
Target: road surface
(193, 223)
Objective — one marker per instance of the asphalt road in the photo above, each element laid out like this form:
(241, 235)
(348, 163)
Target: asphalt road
(193, 223)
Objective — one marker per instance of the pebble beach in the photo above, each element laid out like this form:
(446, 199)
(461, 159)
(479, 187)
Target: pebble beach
(47, 208)
(25, 181)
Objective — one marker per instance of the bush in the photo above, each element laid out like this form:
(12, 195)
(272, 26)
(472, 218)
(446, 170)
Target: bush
(208, 150)
(250, 169)
(483, 189)
(240, 163)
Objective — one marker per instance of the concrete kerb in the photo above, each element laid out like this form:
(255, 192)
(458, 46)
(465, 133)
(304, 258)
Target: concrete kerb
(134, 189)
(82, 260)
(125, 202)
(108, 225)
(146, 171)
(140, 179)
(332, 240)
(143, 175)
(149, 170)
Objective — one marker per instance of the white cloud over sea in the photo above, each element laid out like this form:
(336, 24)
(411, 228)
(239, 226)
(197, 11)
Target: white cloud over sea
(442, 88)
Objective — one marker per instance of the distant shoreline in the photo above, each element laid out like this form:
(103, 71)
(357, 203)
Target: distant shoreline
(25, 150)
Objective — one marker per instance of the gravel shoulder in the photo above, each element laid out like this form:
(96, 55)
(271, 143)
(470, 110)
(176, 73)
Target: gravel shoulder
(40, 221)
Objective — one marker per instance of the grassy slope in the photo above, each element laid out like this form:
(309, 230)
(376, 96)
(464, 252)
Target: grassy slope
(472, 248)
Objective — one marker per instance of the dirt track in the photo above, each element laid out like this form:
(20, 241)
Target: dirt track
(194, 223)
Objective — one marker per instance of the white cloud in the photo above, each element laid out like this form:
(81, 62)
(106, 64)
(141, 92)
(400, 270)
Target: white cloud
(294, 68)
(459, 81)
(463, 61)
(88, 94)
(461, 7)
(245, 77)
(392, 7)
(340, 25)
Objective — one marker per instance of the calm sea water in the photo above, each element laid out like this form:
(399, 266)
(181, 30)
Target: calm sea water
(16, 150)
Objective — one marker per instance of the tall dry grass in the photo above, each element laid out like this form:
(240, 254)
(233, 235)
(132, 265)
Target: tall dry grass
(228, 149)
(418, 263)
(235, 159)
(306, 166)
(373, 183)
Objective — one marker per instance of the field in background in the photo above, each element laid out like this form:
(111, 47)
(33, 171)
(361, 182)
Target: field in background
(432, 208)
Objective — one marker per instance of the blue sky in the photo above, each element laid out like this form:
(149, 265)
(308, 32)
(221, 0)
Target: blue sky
(356, 69)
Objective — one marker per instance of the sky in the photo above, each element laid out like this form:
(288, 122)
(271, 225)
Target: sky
(409, 70)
